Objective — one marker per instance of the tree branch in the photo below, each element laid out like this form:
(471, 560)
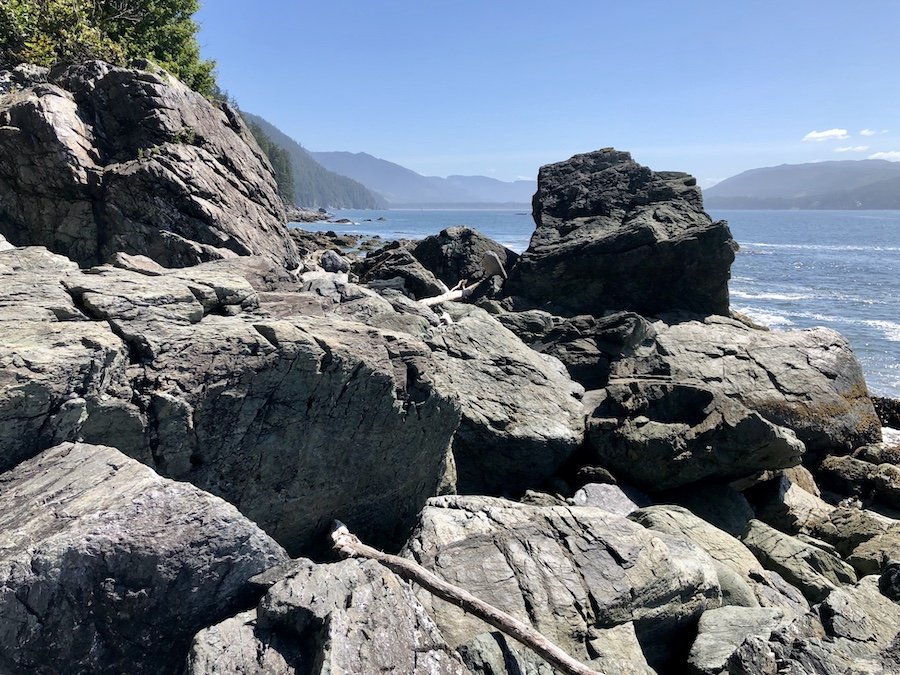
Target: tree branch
(350, 546)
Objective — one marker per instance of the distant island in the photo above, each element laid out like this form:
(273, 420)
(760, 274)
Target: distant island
(401, 186)
(849, 184)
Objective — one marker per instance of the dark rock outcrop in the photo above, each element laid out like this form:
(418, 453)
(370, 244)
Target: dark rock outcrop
(614, 235)
(347, 617)
(396, 262)
(457, 253)
(106, 567)
(662, 435)
(101, 159)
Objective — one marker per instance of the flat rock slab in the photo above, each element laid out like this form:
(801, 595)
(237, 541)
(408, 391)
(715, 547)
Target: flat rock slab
(567, 570)
(102, 562)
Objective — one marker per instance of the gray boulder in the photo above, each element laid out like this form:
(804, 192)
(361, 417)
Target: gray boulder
(662, 435)
(457, 253)
(102, 562)
(522, 416)
(722, 631)
(396, 262)
(619, 499)
(348, 617)
(813, 570)
(808, 381)
(612, 234)
(567, 570)
(101, 159)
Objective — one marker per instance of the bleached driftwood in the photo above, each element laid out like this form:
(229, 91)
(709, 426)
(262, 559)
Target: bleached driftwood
(490, 265)
(347, 544)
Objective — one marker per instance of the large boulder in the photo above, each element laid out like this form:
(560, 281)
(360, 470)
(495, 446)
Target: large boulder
(457, 253)
(106, 567)
(522, 416)
(394, 262)
(662, 435)
(612, 234)
(569, 571)
(347, 617)
(296, 420)
(808, 381)
(101, 159)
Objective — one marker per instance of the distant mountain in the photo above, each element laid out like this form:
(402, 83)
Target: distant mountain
(314, 185)
(849, 184)
(401, 186)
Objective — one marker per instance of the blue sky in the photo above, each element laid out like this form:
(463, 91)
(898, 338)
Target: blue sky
(499, 87)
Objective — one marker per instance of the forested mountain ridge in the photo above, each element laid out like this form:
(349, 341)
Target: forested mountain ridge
(399, 185)
(314, 185)
(848, 184)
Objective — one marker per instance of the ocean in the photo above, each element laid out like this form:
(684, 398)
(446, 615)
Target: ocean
(795, 269)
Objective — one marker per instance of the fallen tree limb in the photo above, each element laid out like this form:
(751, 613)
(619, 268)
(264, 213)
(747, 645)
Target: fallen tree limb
(349, 545)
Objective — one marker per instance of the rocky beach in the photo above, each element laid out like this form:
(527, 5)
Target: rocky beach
(585, 436)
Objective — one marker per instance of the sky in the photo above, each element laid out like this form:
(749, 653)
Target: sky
(501, 87)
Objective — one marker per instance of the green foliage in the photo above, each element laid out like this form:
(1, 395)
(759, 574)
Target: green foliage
(279, 158)
(51, 31)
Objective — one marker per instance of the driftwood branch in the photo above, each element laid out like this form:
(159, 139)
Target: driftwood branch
(350, 546)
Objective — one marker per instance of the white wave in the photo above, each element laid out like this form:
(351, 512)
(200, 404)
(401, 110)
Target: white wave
(891, 329)
(743, 295)
(820, 247)
(765, 317)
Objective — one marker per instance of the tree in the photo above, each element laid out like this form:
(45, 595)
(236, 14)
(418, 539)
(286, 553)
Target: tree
(47, 32)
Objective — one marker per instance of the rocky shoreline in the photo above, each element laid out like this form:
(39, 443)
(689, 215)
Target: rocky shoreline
(588, 438)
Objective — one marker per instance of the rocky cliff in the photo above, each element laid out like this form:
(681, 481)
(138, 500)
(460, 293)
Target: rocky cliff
(681, 492)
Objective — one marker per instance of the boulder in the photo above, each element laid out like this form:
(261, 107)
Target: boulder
(612, 234)
(101, 159)
(808, 381)
(102, 562)
(662, 435)
(5, 245)
(585, 344)
(522, 416)
(786, 506)
(457, 253)
(814, 571)
(722, 631)
(348, 617)
(396, 262)
(621, 500)
(567, 570)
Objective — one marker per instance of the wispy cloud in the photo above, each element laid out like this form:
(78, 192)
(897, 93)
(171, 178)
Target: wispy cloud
(852, 148)
(867, 132)
(891, 156)
(827, 135)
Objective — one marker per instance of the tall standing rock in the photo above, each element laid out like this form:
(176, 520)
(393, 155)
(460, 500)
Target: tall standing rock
(100, 159)
(614, 235)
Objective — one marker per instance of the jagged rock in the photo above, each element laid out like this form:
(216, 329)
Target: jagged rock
(585, 344)
(102, 563)
(720, 505)
(874, 555)
(332, 262)
(741, 577)
(612, 234)
(722, 631)
(618, 499)
(888, 411)
(347, 617)
(394, 261)
(847, 527)
(521, 414)
(5, 245)
(661, 435)
(808, 381)
(878, 453)
(457, 253)
(101, 159)
(886, 481)
(814, 571)
(272, 414)
(567, 570)
(786, 506)
(846, 475)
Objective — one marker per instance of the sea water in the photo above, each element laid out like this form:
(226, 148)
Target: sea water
(794, 269)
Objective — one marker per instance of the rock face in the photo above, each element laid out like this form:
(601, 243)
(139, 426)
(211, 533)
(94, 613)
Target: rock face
(612, 234)
(568, 570)
(522, 416)
(102, 562)
(396, 262)
(347, 617)
(457, 253)
(101, 159)
(808, 381)
(294, 420)
(661, 435)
